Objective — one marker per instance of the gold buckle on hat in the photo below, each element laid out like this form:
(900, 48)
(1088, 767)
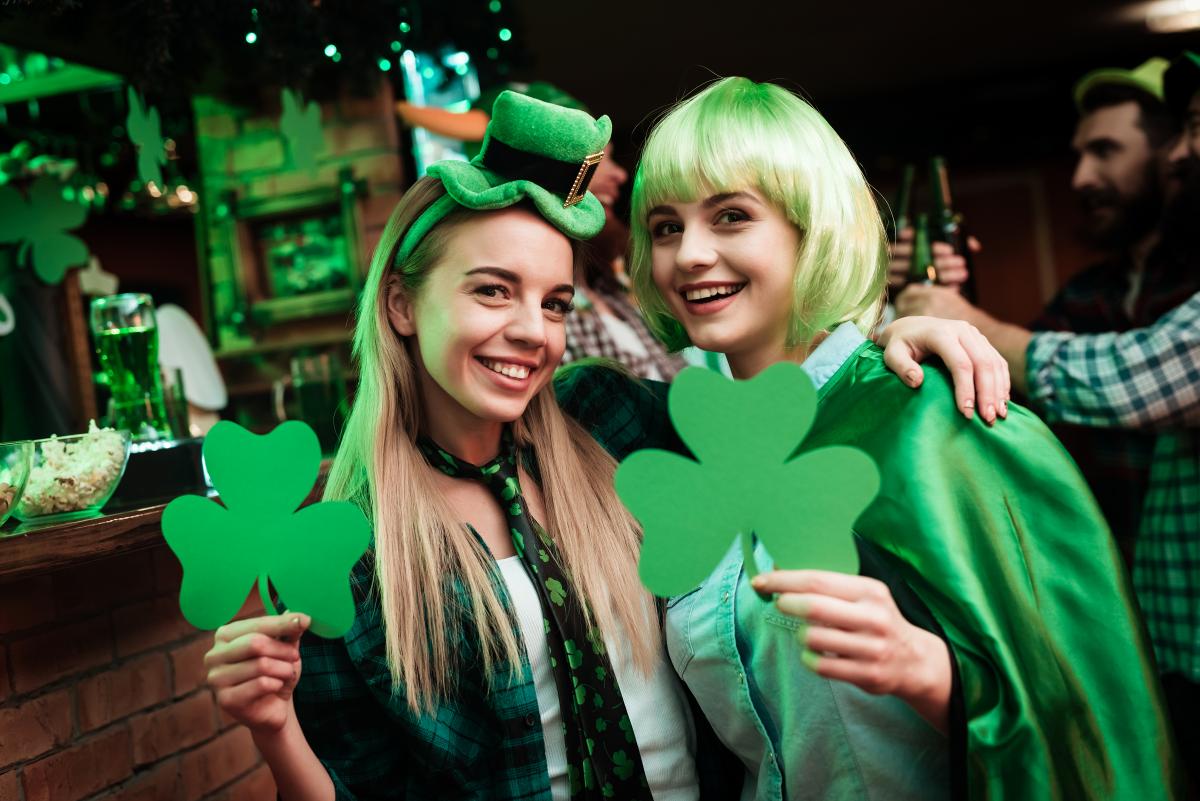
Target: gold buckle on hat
(582, 179)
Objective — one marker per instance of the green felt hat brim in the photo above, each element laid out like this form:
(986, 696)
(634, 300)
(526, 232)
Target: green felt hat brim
(1146, 77)
(477, 188)
(1181, 82)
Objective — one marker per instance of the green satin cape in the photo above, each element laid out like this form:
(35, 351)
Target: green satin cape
(996, 531)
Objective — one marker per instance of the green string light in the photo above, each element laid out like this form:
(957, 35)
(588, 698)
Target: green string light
(336, 57)
(505, 34)
(397, 47)
(494, 6)
(251, 37)
(331, 50)
(405, 27)
(493, 53)
(385, 64)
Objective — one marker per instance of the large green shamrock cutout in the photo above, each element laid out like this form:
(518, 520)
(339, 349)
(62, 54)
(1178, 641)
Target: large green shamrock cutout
(145, 132)
(40, 224)
(744, 481)
(301, 126)
(258, 534)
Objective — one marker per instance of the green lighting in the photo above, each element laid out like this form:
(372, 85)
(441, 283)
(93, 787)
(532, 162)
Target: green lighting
(493, 53)
(331, 50)
(385, 64)
(254, 14)
(461, 69)
(428, 73)
(405, 27)
(397, 47)
(251, 37)
(505, 34)
(68, 193)
(5, 79)
(494, 6)
(336, 57)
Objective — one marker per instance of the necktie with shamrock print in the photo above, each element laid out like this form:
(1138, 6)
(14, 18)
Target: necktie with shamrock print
(603, 760)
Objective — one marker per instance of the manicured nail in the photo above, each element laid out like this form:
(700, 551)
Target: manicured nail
(809, 659)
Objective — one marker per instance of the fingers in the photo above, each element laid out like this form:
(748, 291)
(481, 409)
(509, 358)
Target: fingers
(974, 245)
(861, 617)
(240, 672)
(246, 693)
(983, 357)
(288, 625)
(251, 646)
(898, 356)
(962, 370)
(820, 582)
(843, 644)
(868, 675)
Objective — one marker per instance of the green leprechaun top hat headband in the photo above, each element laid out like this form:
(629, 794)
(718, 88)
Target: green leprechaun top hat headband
(533, 151)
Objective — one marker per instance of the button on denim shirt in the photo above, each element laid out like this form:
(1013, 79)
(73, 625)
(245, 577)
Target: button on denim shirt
(798, 735)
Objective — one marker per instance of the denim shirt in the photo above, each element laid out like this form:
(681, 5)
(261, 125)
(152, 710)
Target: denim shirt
(798, 735)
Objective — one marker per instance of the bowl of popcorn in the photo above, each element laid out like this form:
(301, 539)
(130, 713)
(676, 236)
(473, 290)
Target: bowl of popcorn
(73, 477)
(15, 459)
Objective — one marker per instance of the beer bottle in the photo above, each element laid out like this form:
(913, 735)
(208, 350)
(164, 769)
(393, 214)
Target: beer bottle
(947, 224)
(903, 201)
(921, 270)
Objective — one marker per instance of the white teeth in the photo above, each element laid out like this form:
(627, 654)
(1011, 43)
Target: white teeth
(518, 371)
(708, 292)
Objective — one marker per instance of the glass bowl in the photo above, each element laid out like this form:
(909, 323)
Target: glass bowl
(73, 477)
(15, 460)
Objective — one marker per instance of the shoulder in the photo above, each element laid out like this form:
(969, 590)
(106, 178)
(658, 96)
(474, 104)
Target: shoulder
(620, 411)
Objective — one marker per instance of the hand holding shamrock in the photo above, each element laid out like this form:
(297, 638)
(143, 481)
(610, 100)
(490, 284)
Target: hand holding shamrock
(853, 632)
(254, 665)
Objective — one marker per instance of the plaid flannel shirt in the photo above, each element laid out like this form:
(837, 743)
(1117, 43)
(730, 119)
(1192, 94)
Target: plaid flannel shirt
(1148, 378)
(589, 337)
(486, 741)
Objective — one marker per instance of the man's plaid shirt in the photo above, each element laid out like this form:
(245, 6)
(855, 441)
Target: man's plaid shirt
(589, 337)
(1147, 378)
(486, 742)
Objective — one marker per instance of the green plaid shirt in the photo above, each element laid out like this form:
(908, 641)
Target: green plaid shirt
(486, 741)
(1148, 377)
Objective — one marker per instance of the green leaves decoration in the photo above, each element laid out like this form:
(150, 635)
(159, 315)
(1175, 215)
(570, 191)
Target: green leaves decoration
(258, 534)
(301, 126)
(39, 225)
(744, 481)
(145, 131)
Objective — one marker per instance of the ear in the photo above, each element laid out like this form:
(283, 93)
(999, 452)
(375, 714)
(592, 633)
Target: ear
(400, 309)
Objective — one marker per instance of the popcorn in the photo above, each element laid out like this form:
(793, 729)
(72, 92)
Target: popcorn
(74, 474)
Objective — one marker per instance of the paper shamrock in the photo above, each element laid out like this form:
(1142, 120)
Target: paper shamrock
(40, 224)
(146, 134)
(301, 126)
(258, 534)
(744, 481)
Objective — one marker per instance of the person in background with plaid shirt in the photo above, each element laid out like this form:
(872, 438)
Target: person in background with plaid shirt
(1146, 378)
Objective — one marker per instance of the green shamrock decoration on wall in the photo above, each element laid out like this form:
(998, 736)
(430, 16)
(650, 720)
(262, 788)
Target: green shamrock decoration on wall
(744, 482)
(145, 132)
(39, 225)
(301, 126)
(258, 534)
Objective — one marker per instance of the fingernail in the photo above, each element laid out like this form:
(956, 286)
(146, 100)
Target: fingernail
(990, 413)
(809, 659)
(1004, 409)
(911, 376)
(757, 582)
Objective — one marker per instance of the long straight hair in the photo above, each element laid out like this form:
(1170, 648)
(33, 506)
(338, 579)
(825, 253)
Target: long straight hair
(426, 561)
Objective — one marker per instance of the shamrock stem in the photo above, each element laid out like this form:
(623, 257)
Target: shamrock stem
(748, 561)
(264, 592)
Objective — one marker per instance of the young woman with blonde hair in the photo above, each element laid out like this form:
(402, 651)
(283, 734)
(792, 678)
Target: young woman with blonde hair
(991, 648)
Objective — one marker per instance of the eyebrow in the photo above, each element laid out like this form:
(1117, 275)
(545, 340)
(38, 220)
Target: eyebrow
(513, 278)
(708, 203)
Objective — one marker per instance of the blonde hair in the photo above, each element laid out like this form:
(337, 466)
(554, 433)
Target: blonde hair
(425, 558)
(738, 134)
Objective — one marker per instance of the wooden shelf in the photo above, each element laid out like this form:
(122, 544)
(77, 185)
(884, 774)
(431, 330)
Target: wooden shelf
(29, 550)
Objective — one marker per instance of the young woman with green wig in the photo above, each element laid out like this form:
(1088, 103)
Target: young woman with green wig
(990, 648)
(503, 647)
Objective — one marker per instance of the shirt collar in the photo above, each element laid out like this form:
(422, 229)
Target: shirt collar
(828, 357)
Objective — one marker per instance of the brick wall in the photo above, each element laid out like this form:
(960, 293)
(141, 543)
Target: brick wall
(102, 694)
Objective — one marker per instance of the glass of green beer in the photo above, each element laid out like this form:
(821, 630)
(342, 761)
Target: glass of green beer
(126, 338)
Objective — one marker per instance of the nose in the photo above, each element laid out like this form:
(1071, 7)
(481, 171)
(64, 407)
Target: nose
(696, 251)
(1085, 176)
(1179, 152)
(527, 326)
